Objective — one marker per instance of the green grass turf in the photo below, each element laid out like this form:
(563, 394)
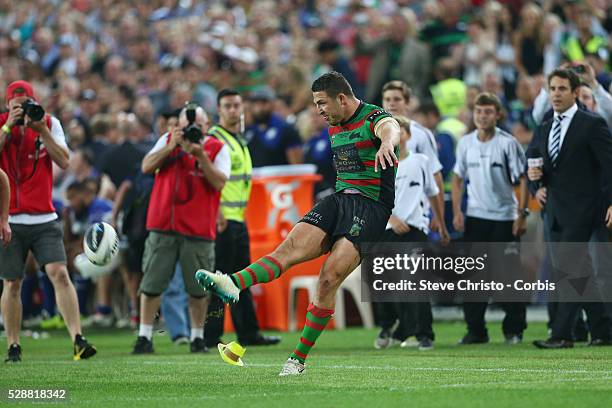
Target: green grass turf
(343, 370)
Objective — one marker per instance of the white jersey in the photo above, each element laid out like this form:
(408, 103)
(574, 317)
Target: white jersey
(424, 142)
(490, 169)
(414, 182)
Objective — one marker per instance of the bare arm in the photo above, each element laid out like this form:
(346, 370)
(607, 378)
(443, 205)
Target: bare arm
(213, 175)
(15, 113)
(457, 191)
(440, 197)
(438, 211)
(123, 189)
(388, 131)
(524, 198)
(519, 225)
(3, 139)
(107, 188)
(155, 159)
(58, 153)
(5, 196)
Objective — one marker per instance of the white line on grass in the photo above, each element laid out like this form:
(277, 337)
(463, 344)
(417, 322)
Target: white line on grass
(394, 368)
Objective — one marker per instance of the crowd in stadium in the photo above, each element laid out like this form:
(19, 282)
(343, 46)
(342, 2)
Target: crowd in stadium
(117, 73)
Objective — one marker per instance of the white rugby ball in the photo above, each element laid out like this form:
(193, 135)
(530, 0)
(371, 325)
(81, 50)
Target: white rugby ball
(100, 243)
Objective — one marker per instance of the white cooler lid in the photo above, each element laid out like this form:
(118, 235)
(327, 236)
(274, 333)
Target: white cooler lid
(285, 170)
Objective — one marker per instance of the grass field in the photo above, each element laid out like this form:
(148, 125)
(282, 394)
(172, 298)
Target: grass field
(344, 370)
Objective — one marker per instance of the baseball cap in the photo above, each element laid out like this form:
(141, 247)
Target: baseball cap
(19, 88)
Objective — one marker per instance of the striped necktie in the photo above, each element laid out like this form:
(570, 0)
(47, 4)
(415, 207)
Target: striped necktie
(556, 140)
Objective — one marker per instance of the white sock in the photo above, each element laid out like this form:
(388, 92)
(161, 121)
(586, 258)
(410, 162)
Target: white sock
(196, 334)
(146, 330)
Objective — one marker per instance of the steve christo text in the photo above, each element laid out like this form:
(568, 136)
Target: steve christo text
(464, 285)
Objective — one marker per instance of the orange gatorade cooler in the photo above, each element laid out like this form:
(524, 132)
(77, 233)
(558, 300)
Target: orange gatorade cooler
(280, 197)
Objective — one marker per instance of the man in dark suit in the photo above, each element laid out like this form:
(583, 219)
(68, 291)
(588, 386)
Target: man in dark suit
(576, 147)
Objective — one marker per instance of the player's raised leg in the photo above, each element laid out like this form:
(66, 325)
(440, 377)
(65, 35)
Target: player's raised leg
(304, 242)
(343, 260)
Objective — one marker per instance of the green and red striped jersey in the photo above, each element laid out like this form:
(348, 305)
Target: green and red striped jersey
(354, 145)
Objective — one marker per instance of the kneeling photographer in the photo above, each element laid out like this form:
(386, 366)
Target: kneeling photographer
(191, 169)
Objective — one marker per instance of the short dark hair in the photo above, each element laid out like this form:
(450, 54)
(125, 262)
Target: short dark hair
(77, 186)
(226, 92)
(398, 86)
(333, 83)
(488, 98)
(327, 45)
(566, 74)
(428, 108)
(88, 155)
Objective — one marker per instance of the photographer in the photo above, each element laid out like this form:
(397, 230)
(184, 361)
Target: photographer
(30, 141)
(191, 171)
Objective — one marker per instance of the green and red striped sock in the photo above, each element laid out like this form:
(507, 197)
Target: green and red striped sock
(264, 270)
(316, 319)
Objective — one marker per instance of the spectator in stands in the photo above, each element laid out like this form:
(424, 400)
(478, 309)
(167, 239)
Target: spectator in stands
(520, 120)
(529, 41)
(272, 141)
(576, 45)
(80, 168)
(83, 210)
(332, 58)
(446, 34)
(397, 55)
(318, 151)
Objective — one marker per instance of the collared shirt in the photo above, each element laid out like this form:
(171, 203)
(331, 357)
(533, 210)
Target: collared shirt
(414, 183)
(492, 168)
(568, 115)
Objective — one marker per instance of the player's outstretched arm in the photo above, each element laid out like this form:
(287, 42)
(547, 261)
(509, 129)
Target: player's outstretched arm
(388, 131)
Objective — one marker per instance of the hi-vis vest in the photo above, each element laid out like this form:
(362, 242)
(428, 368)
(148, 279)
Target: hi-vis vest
(237, 189)
(575, 51)
(449, 96)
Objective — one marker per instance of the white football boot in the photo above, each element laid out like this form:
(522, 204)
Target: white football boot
(220, 283)
(292, 367)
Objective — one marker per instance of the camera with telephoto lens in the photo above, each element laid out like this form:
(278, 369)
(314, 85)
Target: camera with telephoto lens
(192, 132)
(33, 110)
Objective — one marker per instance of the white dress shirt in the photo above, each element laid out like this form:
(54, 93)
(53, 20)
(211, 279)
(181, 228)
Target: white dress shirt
(568, 115)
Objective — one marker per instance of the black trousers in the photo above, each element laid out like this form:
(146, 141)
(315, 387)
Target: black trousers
(232, 253)
(515, 319)
(415, 318)
(575, 260)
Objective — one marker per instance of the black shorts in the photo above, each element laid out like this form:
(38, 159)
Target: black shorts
(46, 241)
(353, 216)
(133, 255)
